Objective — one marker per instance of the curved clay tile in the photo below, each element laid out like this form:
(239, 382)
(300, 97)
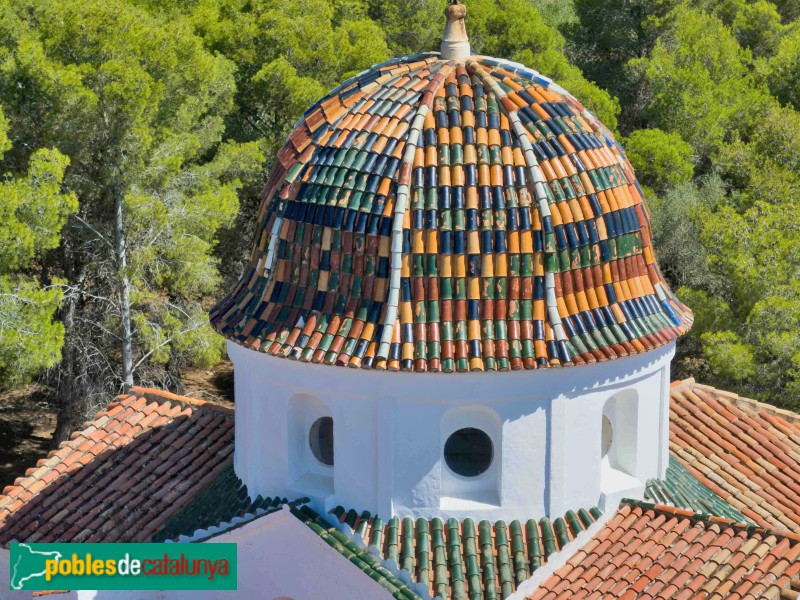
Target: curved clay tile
(438, 215)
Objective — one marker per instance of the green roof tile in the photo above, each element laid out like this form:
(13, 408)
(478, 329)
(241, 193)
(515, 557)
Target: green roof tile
(464, 560)
(223, 499)
(680, 488)
(361, 558)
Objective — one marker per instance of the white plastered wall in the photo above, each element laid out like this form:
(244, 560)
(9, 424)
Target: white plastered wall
(278, 557)
(390, 428)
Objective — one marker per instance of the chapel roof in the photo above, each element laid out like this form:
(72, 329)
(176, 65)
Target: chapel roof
(746, 452)
(441, 214)
(125, 475)
(648, 551)
(731, 475)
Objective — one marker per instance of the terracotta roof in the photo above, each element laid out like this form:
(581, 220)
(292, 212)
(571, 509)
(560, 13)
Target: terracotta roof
(648, 551)
(124, 475)
(434, 216)
(465, 559)
(219, 503)
(745, 452)
(680, 488)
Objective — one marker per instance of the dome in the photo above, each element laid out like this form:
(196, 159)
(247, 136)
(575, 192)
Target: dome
(447, 213)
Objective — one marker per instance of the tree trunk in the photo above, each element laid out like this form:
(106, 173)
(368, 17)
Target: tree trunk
(65, 394)
(124, 293)
(66, 391)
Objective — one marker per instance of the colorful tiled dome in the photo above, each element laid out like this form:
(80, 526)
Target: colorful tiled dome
(451, 214)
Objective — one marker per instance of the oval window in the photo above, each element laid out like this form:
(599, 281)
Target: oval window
(320, 438)
(468, 452)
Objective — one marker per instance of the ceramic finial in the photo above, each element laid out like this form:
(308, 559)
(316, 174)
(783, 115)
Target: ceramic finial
(455, 45)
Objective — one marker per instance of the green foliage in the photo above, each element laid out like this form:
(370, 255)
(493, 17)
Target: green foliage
(556, 13)
(728, 357)
(789, 10)
(411, 25)
(139, 104)
(661, 160)
(678, 217)
(776, 325)
(30, 339)
(33, 213)
(752, 248)
(782, 69)
(712, 313)
(699, 81)
(757, 26)
(5, 143)
(606, 35)
(762, 162)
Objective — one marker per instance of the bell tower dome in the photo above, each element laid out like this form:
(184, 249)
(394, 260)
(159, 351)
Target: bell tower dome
(452, 306)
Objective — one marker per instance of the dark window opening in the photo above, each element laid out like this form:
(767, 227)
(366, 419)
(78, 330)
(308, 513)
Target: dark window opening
(468, 452)
(320, 438)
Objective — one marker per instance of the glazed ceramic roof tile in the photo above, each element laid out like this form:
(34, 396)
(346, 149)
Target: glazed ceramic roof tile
(124, 475)
(220, 502)
(465, 559)
(745, 452)
(680, 488)
(429, 215)
(358, 555)
(648, 551)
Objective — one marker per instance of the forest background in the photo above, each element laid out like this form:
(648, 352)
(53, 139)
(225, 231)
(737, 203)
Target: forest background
(135, 137)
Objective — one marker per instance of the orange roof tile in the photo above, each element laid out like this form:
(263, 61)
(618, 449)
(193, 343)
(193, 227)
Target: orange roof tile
(648, 551)
(746, 452)
(405, 226)
(124, 475)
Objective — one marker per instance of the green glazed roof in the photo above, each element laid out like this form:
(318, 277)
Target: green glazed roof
(370, 565)
(680, 488)
(467, 559)
(223, 500)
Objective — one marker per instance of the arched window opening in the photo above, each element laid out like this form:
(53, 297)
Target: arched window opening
(618, 438)
(311, 446)
(471, 458)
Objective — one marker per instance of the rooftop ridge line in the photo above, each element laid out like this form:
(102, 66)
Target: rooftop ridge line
(749, 403)
(204, 534)
(156, 395)
(357, 554)
(407, 546)
(680, 384)
(710, 519)
(404, 575)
